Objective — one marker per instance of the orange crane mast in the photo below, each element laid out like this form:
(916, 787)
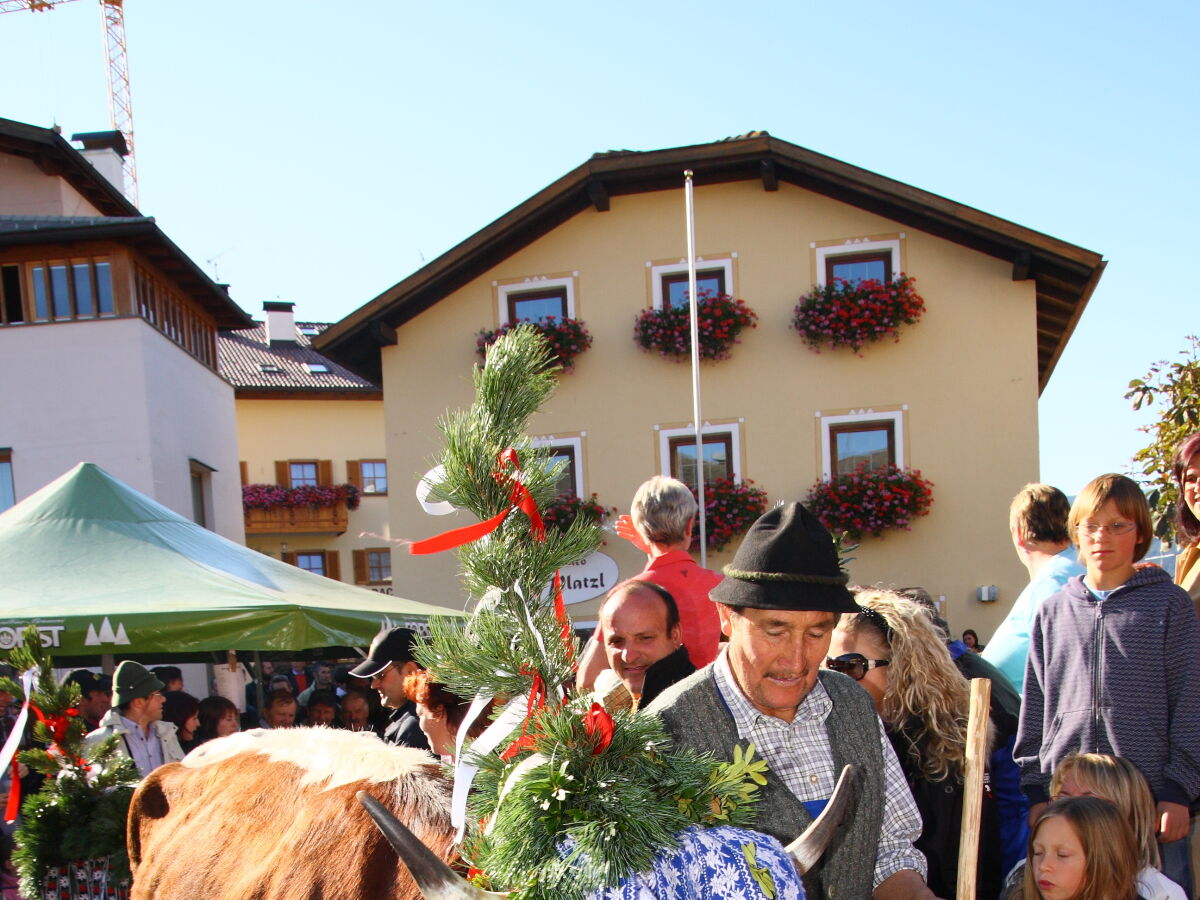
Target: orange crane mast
(116, 58)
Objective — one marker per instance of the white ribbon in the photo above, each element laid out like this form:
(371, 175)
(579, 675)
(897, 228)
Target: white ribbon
(18, 730)
(464, 774)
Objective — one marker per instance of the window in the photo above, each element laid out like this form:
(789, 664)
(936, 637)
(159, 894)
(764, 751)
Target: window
(74, 289)
(372, 476)
(669, 280)
(294, 473)
(856, 267)
(317, 368)
(302, 474)
(311, 562)
(373, 566)
(857, 259)
(318, 562)
(8, 495)
(721, 443)
(201, 480)
(570, 451)
(709, 283)
(536, 298)
(849, 440)
(12, 307)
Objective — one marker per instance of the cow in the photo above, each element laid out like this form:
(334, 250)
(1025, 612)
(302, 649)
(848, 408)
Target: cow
(272, 815)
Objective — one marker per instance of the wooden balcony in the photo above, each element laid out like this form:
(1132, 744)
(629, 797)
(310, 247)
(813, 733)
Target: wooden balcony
(298, 520)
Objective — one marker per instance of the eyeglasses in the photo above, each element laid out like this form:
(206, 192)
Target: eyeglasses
(1091, 529)
(854, 664)
(378, 676)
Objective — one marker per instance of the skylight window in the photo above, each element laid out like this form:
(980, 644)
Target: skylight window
(310, 330)
(317, 368)
(270, 368)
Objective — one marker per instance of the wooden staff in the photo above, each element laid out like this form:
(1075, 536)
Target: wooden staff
(973, 771)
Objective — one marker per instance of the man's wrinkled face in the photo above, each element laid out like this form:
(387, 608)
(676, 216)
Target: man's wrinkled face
(636, 636)
(354, 713)
(775, 655)
(281, 715)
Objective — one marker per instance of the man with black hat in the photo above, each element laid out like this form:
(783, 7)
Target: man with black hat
(136, 718)
(389, 661)
(95, 695)
(779, 604)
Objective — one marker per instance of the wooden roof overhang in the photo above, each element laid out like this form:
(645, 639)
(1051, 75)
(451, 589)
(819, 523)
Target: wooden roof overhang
(147, 238)
(1065, 275)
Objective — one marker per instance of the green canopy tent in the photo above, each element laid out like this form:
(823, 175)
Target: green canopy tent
(100, 568)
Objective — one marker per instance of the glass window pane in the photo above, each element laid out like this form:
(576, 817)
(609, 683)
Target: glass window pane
(566, 481)
(374, 477)
(854, 272)
(539, 307)
(303, 474)
(716, 459)
(104, 288)
(857, 447)
(39, 293)
(379, 565)
(311, 562)
(710, 283)
(83, 289)
(60, 292)
(7, 494)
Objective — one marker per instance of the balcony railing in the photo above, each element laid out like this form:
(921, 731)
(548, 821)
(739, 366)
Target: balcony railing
(298, 519)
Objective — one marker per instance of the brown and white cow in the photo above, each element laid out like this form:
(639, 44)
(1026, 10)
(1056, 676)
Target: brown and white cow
(272, 815)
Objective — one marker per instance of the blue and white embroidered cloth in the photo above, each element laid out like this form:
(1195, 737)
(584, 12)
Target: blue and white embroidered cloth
(720, 863)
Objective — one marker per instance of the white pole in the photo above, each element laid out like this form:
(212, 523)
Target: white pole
(692, 306)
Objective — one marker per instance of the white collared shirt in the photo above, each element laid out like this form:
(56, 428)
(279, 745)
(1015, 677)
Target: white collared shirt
(145, 750)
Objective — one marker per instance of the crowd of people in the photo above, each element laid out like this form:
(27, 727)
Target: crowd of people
(1094, 759)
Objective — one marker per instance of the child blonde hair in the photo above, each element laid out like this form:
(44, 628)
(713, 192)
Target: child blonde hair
(1115, 779)
(1130, 501)
(1107, 840)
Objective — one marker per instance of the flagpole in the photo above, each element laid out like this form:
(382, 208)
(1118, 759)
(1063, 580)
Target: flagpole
(692, 307)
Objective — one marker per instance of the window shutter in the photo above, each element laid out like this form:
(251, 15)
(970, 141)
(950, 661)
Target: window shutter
(289, 558)
(354, 474)
(245, 472)
(333, 566)
(362, 573)
(324, 471)
(283, 475)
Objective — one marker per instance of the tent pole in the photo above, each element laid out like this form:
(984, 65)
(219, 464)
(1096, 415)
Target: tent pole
(258, 685)
(108, 663)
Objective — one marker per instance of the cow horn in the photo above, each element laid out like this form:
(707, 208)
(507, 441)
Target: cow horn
(436, 880)
(807, 849)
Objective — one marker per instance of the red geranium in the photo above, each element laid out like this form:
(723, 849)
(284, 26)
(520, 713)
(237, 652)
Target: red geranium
(845, 314)
(567, 337)
(870, 501)
(668, 330)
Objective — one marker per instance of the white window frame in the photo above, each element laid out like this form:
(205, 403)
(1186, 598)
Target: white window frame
(855, 246)
(575, 442)
(534, 283)
(733, 427)
(895, 416)
(716, 262)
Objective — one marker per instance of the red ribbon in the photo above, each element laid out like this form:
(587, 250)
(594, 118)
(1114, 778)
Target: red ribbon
(564, 624)
(57, 725)
(537, 700)
(599, 726)
(519, 497)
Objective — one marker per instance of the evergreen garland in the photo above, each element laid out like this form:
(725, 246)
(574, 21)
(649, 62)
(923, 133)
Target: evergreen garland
(578, 799)
(81, 809)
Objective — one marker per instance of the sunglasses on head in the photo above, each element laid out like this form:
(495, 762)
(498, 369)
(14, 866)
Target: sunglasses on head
(854, 664)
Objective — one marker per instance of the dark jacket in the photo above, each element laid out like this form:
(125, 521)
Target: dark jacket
(665, 673)
(403, 728)
(1118, 676)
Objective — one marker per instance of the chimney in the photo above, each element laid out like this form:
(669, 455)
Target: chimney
(281, 323)
(106, 151)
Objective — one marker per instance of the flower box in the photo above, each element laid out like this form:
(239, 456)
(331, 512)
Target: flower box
(845, 314)
(316, 509)
(667, 331)
(567, 338)
(871, 501)
(564, 509)
(730, 508)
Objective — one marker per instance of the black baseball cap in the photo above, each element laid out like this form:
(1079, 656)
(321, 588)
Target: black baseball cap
(89, 681)
(391, 645)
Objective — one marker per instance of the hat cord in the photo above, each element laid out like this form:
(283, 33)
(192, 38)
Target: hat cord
(741, 575)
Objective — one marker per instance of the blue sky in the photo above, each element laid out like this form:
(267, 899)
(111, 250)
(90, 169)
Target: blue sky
(319, 152)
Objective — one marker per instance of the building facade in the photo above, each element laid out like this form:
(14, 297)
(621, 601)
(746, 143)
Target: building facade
(955, 396)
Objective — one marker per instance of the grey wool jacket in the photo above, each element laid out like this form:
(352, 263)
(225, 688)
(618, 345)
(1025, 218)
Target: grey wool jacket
(697, 718)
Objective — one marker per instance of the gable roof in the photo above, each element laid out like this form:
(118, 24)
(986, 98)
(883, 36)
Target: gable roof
(51, 153)
(1065, 275)
(140, 232)
(262, 369)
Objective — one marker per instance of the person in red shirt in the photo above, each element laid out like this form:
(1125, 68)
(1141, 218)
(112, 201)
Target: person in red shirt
(660, 525)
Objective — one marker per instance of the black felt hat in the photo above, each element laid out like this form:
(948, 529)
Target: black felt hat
(391, 645)
(786, 561)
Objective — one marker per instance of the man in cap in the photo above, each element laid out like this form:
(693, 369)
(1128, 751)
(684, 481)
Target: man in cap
(136, 719)
(95, 696)
(389, 661)
(779, 604)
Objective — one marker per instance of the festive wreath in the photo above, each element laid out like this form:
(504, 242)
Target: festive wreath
(730, 508)
(846, 314)
(667, 331)
(566, 508)
(871, 501)
(274, 496)
(567, 338)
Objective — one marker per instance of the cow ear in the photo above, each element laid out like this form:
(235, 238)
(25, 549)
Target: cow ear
(149, 804)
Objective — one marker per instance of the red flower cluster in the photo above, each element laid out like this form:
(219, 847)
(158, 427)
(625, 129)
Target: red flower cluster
(274, 496)
(567, 337)
(869, 501)
(843, 314)
(565, 508)
(668, 330)
(730, 508)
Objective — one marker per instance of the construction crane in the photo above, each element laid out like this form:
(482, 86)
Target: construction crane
(116, 58)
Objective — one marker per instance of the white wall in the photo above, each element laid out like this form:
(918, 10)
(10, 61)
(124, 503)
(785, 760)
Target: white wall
(27, 191)
(117, 393)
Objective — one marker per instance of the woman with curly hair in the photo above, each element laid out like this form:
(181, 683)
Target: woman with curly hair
(893, 650)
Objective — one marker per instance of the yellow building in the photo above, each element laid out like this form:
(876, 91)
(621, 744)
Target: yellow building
(955, 396)
(304, 421)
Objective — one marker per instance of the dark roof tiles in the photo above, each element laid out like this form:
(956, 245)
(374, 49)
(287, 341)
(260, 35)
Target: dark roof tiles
(250, 363)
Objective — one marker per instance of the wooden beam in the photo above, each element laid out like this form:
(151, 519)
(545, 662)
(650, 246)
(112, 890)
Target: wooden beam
(769, 175)
(598, 195)
(384, 334)
(1021, 265)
